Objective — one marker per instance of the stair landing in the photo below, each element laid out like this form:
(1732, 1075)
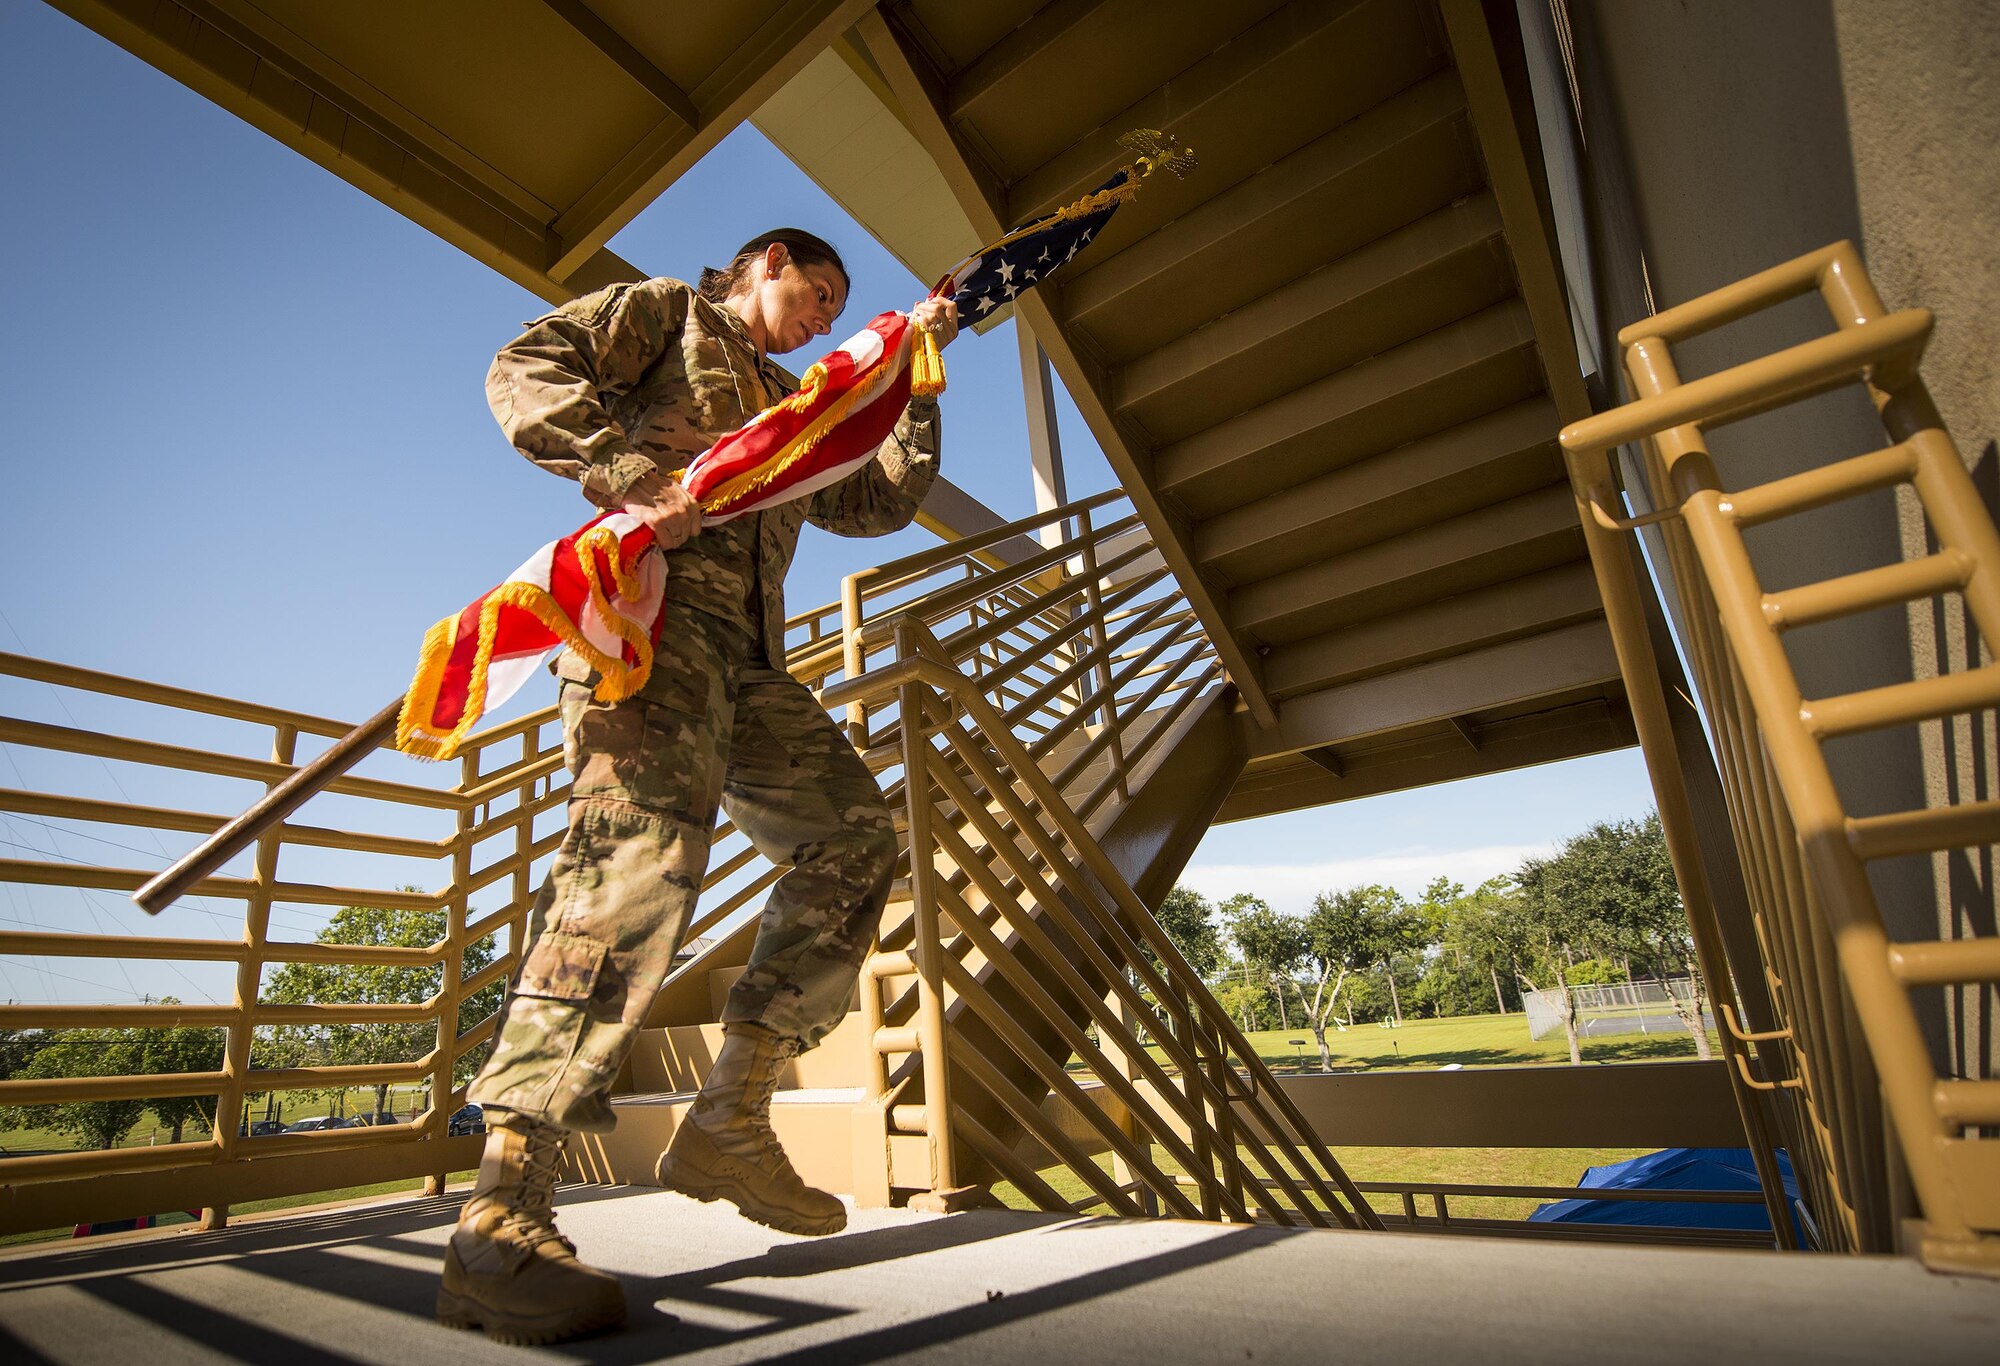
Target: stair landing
(356, 1284)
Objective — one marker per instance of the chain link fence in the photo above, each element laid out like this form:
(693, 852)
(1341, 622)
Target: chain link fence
(1643, 1007)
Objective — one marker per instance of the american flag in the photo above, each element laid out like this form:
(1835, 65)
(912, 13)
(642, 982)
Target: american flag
(981, 285)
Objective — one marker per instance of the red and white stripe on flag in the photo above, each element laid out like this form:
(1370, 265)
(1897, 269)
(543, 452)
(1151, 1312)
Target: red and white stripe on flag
(601, 590)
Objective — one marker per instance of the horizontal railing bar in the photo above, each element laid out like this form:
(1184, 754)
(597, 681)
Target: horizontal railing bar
(1757, 386)
(324, 1140)
(45, 1016)
(960, 643)
(511, 777)
(1197, 647)
(1905, 581)
(1968, 1102)
(505, 867)
(1110, 616)
(1945, 962)
(721, 872)
(260, 1080)
(202, 823)
(475, 1036)
(352, 955)
(32, 872)
(1817, 488)
(508, 730)
(1926, 831)
(70, 740)
(105, 1161)
(342, 1012)
(1898, 704)
(492, 921)
(161, 694)
(991, 537)
(57, 944)
(74, 1090)
(942, 605)
(1112, 645)
(513, 820)
(1189, 691)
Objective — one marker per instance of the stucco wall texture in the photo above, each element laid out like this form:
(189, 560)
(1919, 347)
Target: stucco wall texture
(1754, 132)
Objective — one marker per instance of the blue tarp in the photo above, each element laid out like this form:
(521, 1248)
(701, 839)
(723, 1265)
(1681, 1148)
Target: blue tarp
(1701, 1169)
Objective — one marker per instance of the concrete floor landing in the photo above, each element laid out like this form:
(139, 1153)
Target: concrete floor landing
(355, 1285)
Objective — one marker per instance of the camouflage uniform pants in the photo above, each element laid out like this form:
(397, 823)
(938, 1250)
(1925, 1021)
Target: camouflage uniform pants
(714, 724)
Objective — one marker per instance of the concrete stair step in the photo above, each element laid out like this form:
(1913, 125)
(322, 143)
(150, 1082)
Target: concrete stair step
(816, 1125)
(676, 1058)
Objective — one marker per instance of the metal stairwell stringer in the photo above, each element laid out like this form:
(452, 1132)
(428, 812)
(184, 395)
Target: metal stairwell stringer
(1037, 952)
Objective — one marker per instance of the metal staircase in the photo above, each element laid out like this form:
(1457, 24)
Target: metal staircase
(1022, 1011)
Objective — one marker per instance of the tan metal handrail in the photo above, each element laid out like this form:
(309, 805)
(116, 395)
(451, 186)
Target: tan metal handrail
(509, 778)
(1021, 927)
(1826, 950)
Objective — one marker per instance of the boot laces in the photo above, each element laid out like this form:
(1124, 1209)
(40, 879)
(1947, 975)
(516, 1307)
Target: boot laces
(532, 1218)
(758, 1111)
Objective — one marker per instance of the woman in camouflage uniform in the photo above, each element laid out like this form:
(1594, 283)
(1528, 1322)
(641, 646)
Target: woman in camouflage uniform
(616, 390)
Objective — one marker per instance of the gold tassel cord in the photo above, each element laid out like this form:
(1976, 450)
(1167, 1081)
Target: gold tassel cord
(926, 367)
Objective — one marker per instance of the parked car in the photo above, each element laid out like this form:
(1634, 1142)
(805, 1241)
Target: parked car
(379, 1117)
(315, 1123)
(469, 1119)
(261, 1128)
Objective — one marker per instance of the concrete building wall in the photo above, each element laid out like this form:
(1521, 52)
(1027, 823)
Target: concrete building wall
(1737, 135)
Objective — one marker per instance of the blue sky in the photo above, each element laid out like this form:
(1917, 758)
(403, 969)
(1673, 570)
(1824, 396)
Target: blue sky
(248, 452)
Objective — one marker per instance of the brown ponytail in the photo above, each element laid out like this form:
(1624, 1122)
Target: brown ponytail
(806, 250)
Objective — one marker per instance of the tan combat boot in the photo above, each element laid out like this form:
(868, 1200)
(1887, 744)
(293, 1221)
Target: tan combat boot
(724, 1149)
(506, 1269)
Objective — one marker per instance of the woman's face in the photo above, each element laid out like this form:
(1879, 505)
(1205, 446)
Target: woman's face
(793, 302)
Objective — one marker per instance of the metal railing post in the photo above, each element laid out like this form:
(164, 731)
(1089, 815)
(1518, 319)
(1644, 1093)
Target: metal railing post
(249, 980)
(1093, 595)
(455, 904)
(927, 949)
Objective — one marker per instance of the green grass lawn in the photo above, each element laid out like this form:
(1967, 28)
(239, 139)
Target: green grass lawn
(1445, 1166)
(1468, 1040)
(287, 1106)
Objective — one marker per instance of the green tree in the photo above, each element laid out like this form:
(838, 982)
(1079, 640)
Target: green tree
(182, 1048)
(1346, 932)
(1189, 921)
(1272, 945)
(1617, 874)
(349, 1045)
(85, 1053)
(1487, 930)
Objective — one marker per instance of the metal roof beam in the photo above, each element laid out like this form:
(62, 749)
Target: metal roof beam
(1345, 188)
(753, 73)
(1517, 671)
(1043, 30)
(1381, 46)
(1482, 461)
(1423, 276)
(593, 29)
(1408, 392)
(1526, 606)
(380, 148)
(1446, 557)
(980, 194)
(1436, 757)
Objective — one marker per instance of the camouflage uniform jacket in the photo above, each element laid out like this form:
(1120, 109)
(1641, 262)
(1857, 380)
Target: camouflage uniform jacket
(643, 376)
